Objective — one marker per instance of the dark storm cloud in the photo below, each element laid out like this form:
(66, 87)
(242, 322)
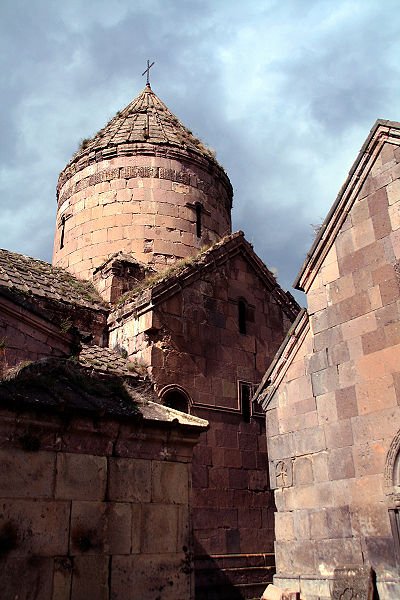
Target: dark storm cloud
(285, 92)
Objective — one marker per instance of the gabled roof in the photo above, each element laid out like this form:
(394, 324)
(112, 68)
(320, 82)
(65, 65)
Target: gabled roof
(144, 124)
(35, 278)
(158, 288)
(382, 132)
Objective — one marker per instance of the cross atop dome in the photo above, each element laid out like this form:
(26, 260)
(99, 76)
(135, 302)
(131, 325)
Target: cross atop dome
(148, 72)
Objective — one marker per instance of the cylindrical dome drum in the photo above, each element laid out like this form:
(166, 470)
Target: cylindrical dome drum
(144, 185)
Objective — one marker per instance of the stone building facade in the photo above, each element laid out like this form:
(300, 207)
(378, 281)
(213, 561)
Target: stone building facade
(95, 474)
(332, 395)
(144, 210)
(145, 266)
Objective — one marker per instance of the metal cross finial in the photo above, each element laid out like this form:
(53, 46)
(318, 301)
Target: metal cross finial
(148, 72)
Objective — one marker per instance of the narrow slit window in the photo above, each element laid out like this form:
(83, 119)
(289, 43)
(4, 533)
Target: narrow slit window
(199, 210)
(62, 233)
(245, 394)
(242, 314)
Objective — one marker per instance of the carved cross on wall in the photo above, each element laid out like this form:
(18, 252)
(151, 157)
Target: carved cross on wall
(148, 71)
(281, 474)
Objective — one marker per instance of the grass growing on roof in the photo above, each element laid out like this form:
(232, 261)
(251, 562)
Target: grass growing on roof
(175, 269)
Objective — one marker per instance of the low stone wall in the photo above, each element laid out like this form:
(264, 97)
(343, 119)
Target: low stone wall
(94, 508)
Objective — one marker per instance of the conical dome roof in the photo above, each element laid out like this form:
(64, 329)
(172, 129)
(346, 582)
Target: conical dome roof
(145, 122)
(143, 162)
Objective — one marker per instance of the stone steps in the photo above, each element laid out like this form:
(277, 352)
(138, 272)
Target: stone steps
(233, 576)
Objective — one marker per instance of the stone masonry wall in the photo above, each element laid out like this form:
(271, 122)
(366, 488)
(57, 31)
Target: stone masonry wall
(333, 418)
(192, 340)
(233, 506)
(140, 204)
(93, 509)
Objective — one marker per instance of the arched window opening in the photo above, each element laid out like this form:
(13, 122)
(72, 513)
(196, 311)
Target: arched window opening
(176, 399)
(242, 315)
(199, 211)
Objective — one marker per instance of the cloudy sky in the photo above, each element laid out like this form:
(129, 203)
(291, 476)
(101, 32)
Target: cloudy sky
(285, 91)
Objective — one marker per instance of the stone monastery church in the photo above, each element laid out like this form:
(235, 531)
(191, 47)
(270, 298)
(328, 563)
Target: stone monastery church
(149, 287)
(137, 370)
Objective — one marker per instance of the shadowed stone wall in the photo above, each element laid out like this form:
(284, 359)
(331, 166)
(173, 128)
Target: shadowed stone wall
(93, 508)
(192, 340)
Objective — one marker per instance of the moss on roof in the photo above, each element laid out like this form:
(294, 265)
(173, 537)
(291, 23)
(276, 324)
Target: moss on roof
(173, 271)
(64, 384)
(144, 120)
(31, 276)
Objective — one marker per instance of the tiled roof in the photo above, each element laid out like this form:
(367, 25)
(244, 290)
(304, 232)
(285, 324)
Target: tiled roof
(145, 120)
(38, 278)
(58, 383)
(105, 360)
(61, 384)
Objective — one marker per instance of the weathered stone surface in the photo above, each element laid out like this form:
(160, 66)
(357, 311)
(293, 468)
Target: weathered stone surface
(303, 471)
(356, 582)
(27, 578)
(339, 434)
(160, 528)
(129, 480)
(284, 527)
(90, 578)
(169, 482)
(36, 527)
(62, 578)
(301, 522)
(151, 576)
(309, 440)
(341, 465)
(100, 528)
(81, 476)
(26, 474)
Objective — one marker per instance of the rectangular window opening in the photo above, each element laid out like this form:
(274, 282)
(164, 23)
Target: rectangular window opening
(245, 394)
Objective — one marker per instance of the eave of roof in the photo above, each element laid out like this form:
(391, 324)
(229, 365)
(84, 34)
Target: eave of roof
(382, 132)
(282, 359)
(64, 386)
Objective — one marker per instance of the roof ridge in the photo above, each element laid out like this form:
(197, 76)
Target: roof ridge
(382, 131)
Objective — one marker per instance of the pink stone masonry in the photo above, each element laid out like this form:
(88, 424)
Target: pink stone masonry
(334, 415)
